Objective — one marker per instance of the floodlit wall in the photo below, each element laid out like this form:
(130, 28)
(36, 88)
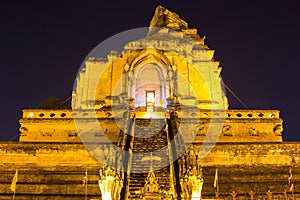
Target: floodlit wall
(55, 170)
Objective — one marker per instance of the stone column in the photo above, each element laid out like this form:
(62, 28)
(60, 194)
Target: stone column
(130, 82)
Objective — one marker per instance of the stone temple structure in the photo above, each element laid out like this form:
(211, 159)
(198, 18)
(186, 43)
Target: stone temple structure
(151, 122)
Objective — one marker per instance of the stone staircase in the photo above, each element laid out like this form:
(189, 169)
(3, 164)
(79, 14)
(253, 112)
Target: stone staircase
(150, 139)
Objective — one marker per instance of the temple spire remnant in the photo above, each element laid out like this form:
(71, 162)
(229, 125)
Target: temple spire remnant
(143, 99)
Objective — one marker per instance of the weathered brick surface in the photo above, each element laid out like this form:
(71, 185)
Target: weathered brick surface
(55, 170)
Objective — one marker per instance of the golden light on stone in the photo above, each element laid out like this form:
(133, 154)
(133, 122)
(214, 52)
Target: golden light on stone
(31, 114)
(142, 117)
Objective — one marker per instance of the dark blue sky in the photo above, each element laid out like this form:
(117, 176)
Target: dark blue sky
(43, 43)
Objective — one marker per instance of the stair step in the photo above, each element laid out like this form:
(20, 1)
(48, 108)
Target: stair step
(150, 136)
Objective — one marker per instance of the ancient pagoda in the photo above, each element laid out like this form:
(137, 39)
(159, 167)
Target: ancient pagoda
(151, 121)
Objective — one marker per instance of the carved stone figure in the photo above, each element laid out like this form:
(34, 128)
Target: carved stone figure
(192, 156)
(117, 187)
(151, 185)
(269, 195)
(251, 193)
(233, 194)
(278, 129)
(186, 187)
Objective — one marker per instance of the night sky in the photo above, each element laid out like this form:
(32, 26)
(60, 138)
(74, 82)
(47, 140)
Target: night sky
(43, 44)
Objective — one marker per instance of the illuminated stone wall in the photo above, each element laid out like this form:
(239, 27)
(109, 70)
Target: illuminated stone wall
(55, 170)
(179, 62)
(238, 125)
(47, 171)
(59, 126)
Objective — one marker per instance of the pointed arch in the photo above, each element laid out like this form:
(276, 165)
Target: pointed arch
(150, 55)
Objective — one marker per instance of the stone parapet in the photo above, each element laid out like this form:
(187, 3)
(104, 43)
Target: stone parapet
(237, 125)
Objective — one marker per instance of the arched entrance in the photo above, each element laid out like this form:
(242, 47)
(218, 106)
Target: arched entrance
(151, 88)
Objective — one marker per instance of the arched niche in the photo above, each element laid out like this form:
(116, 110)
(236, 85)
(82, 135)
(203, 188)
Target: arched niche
(150, 77)
(149, 71)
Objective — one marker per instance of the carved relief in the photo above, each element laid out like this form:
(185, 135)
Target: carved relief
(277, 130)
(233, 194)
(109, 153)
(253, 131)
(23, 129)
(227, 130)
(192, 156)
(151, 185)
(191, 171)
(110, 183)
(47, 132)
(251, 193)
(117, 187)
(71, 133)
(186, 187)
(269, 195)
(200, 130)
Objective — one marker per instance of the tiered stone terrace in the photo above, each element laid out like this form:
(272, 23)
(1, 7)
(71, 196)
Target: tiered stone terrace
(238, 125)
